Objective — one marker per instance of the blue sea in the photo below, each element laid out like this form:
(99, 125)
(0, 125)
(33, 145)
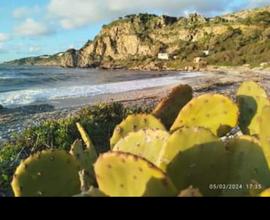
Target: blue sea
(20, 86)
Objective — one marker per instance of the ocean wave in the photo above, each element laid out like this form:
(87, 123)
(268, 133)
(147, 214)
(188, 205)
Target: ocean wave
(30, 96)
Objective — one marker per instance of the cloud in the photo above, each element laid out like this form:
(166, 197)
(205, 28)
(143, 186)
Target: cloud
(32, 28)
(34, 49)
(23, 12)
(73, 14)
(4, 37)
(258, 3)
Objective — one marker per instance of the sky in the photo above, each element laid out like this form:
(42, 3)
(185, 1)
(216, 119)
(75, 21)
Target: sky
(39, 27)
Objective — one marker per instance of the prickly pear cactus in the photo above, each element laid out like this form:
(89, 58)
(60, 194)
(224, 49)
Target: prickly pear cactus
(248, 167)
(213, 111)
(134, 123)
(144, 143)
(264, 133)
(48, 173)
(88, 142)
(195, 156)
(168, 109)
(124, 174)
(251, 99)
(86, 160)
(265, 193)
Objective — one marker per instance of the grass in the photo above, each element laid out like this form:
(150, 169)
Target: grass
(99, 121)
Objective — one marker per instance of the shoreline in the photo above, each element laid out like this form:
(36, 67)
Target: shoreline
(221, 80)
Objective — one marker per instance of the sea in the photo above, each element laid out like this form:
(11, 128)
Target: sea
(29, 85)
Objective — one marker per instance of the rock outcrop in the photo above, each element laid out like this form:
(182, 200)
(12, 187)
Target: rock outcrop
(135, 41)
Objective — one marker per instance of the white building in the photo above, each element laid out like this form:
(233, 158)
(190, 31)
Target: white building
(163, 56)
(206, 52)
(44, 57)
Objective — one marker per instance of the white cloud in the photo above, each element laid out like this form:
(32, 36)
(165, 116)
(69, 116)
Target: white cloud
(4, 37)
(77, 13)
(23, 12)
(34, 49)
(32, 28)
(73, 14)
(258, 3)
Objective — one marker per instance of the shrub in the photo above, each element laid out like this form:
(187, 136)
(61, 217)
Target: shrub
(99, 121)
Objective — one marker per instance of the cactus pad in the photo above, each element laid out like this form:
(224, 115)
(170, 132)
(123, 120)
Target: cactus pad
(124, 174)
(85, 158)
(194, 156)
(88, 142)
(251, 99)
(265, 193)
(48, 173)
(134, 123)
(168, 109)
(264, 133)
(247, 165)
(144, 143)
(213, 111)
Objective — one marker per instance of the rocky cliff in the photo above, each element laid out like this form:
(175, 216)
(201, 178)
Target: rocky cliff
(135, 42)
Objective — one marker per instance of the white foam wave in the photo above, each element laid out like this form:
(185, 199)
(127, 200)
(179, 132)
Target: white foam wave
(29, 96)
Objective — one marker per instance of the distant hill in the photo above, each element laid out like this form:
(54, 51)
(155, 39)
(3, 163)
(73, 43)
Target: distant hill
(136, 41)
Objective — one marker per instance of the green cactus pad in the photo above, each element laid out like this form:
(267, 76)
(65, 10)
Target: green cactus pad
(265, 193)
(88, 142)
(144, 143)
(213, 111)
(124, 174)
(194, 156)
(251, 99)
(264, 133)
(48, 173)
(247, 165)
(168, 109)
(85, 158)
(134, 123)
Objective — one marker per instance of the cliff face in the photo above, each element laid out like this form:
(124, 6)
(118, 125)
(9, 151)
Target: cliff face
(136, 37)
(136, 40)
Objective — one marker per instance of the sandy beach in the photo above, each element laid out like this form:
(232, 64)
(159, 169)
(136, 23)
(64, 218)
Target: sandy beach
(221, 80)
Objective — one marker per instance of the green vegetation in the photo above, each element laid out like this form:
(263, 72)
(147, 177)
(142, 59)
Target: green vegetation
(145, 159)
(260, 18)
(99, 121)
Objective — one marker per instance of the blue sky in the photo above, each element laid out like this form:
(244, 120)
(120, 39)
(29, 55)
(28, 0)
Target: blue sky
(36, 27)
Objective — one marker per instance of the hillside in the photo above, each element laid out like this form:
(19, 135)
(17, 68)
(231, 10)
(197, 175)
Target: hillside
(147, 41)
